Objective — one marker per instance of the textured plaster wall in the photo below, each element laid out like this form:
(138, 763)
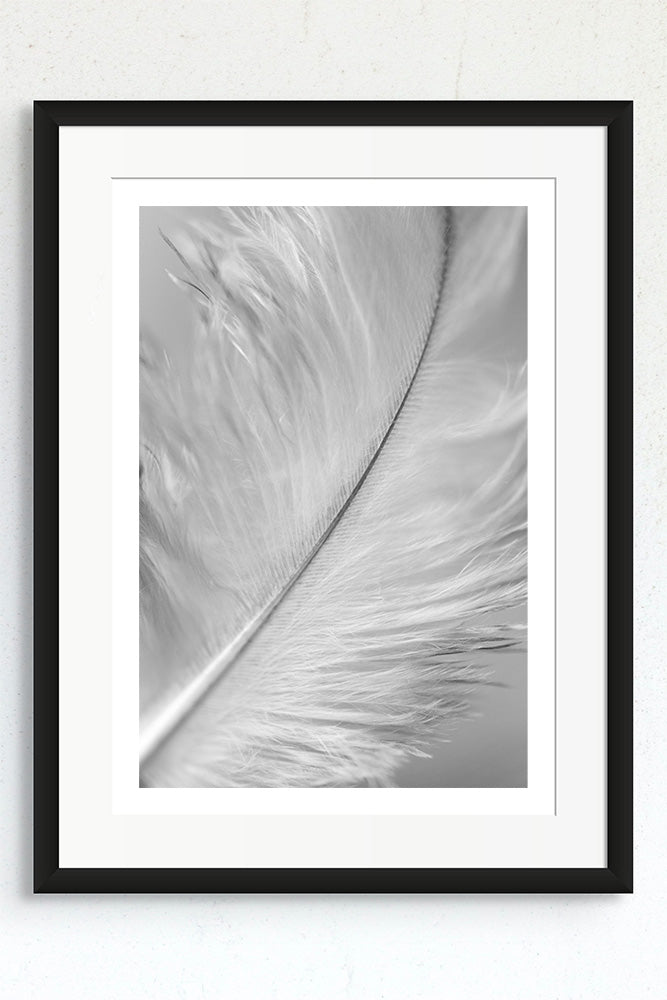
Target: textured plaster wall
(389, 947)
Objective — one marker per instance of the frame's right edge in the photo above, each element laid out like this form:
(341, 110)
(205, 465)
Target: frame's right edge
(619, 498)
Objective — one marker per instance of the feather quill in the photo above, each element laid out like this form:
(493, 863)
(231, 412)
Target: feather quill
(332, 492)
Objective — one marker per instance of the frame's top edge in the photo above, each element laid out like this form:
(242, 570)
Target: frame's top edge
(337, 113)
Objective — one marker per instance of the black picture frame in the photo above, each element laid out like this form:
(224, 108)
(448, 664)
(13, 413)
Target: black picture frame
(616, 118)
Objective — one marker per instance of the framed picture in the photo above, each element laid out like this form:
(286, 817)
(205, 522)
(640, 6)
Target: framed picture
(333, 497)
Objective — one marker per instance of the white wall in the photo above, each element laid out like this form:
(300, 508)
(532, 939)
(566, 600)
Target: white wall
(354, 946)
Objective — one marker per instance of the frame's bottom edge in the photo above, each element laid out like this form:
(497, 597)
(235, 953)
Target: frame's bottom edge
(335, 880)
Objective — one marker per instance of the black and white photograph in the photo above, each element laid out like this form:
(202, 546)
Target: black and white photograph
(333, 497)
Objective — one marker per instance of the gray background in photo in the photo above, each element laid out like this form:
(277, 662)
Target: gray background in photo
(489, 750)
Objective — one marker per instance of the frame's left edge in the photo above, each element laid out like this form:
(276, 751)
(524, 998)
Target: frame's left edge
(45, 468)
